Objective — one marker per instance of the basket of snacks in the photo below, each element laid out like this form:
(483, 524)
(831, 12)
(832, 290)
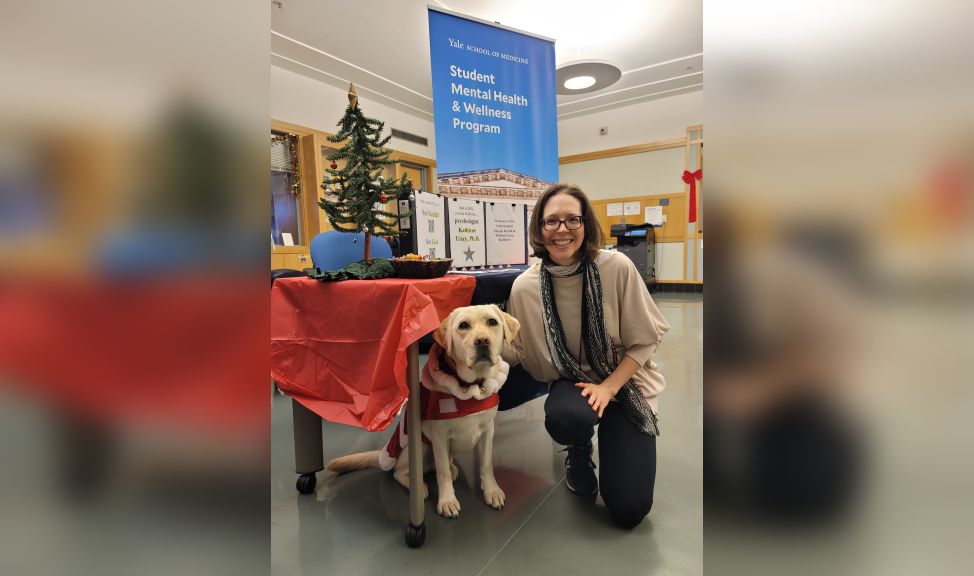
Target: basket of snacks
(415, 266)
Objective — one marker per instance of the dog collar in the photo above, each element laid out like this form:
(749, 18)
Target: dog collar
(448, 370)
(434, 378)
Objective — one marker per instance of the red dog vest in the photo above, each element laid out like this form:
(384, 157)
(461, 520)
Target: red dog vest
(434, 405)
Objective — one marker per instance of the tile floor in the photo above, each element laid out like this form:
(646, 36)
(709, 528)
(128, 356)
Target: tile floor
(353, 524)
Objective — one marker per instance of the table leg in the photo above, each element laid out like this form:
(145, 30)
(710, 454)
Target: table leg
(416, 529)
(308, 452)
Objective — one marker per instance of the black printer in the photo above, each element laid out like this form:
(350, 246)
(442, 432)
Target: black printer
(638, 243)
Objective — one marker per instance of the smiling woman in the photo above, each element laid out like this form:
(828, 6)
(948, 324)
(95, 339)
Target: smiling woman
(563, 245)
(561, 242)
(597, 361)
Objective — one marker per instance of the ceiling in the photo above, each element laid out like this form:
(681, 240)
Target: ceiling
(383, 45)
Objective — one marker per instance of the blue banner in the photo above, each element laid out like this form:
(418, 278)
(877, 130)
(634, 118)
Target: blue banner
(493, 109)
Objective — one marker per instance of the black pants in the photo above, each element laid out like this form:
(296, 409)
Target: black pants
(627, 456)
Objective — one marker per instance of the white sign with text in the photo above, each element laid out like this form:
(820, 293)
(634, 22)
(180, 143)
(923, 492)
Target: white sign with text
(467, 239)
(430, 225)
(506, 238)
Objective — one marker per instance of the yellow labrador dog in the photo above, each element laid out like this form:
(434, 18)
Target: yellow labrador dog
(459, 401)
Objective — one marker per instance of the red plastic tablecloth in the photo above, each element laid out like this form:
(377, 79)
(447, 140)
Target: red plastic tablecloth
(339, 348)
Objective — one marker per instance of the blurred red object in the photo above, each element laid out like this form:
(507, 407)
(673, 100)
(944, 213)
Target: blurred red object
(952, 192)
(168, 352)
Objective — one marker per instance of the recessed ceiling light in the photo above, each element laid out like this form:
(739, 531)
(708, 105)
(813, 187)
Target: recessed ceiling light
(583, 76)
(579, 82)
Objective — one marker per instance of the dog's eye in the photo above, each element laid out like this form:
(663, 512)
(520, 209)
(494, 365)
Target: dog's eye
(464, 325)
(492, 322)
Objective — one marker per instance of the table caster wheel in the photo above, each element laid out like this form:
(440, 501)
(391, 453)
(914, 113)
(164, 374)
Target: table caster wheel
(306, 483)
(415, 535)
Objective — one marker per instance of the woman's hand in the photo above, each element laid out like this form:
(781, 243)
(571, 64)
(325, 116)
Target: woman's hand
(598, 395)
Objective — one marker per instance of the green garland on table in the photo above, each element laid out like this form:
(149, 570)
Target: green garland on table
(361, 270)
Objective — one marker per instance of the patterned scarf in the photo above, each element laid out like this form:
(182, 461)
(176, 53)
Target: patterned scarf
(599, 351)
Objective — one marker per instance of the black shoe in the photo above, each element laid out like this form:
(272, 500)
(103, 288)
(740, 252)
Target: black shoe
(580, 470)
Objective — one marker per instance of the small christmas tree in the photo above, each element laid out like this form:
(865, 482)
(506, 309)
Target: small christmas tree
(352, 192)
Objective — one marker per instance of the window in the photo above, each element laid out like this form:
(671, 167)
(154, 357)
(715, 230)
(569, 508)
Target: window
(285, 189)
(416, 174)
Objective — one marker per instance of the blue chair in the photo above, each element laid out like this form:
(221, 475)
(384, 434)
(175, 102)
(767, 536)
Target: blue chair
(335, 250)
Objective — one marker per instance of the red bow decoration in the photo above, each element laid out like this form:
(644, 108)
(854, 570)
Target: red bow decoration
(691, 179)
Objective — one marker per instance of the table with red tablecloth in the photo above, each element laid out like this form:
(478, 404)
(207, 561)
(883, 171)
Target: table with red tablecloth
(347, 352)
(339, 348)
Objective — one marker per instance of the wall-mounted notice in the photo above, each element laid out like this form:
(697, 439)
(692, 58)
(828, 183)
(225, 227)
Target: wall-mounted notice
(467, 240)
(506, 238)
(430, 225)
(631, 208)
(403, 208)
(654, 215)
(613, 209)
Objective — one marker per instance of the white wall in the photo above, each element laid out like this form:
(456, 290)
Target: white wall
(313, 104)
(669, 261)
(642, 123)
(657, 172)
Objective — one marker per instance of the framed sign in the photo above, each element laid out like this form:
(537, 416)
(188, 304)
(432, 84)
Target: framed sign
(506, 238)
(430, 230)
(467, 239)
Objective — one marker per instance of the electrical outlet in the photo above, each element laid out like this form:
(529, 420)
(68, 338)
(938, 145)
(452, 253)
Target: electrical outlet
(603, 131)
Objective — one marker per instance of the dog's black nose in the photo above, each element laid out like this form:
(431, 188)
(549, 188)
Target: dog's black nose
(482, 342)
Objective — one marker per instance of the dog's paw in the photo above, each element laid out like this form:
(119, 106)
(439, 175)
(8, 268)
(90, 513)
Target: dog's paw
(448, 507)
(454, 471)
(494, 497)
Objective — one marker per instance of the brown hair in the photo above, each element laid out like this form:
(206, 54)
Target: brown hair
(593, 231)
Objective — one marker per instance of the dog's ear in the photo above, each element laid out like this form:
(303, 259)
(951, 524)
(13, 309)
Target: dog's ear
(511, 325)
(442, 334)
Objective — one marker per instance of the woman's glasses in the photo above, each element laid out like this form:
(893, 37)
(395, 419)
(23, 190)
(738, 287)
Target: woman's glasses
(571, 223)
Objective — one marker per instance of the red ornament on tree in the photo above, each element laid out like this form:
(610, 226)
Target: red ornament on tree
(334, 166)
(383, 197)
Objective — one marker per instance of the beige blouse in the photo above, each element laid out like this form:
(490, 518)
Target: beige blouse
(632, 320)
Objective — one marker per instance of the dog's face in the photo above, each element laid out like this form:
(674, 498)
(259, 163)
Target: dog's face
(473, 337)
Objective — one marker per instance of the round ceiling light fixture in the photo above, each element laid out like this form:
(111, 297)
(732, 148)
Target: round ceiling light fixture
(579, 82)
(583, 76)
